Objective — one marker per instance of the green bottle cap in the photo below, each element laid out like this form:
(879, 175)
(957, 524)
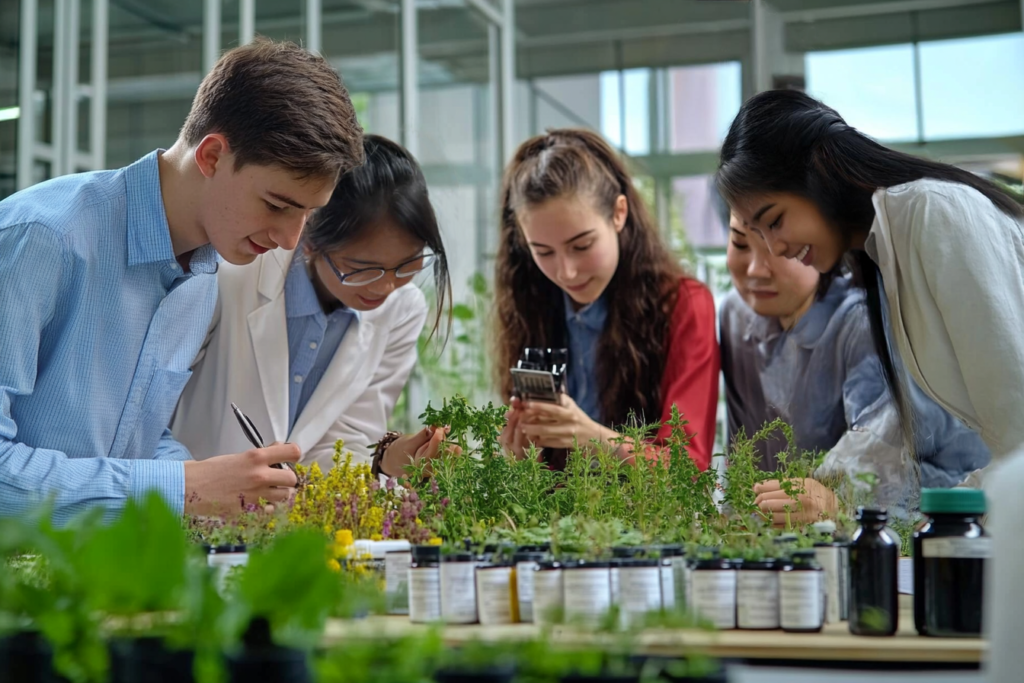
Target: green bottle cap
(966, 501)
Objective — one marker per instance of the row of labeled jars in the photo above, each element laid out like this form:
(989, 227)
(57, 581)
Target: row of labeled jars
(829, 583)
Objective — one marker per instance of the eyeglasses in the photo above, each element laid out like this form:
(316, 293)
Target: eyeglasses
(365, 276)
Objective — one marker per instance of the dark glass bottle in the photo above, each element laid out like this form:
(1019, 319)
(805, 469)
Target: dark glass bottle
(874, 594)
(949, 563)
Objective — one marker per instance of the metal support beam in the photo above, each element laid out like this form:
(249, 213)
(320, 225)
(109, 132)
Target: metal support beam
(211, 33)
(27, 55)
(877, 8)
(246, 21)
(759, 46)
(487, 9)
(314, 19)
(508, 79)
(98, 78)
(67, 22)
(408, 75)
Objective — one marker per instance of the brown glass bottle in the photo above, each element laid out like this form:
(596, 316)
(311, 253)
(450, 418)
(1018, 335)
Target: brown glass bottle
(874, 594)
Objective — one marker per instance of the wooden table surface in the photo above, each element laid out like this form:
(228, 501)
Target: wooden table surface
(834, 644)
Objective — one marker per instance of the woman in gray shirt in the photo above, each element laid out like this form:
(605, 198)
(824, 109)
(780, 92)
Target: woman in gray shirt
(797, 345)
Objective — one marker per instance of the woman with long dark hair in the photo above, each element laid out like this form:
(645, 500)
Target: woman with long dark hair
(939, 250)
(581, 265)
(316, 344)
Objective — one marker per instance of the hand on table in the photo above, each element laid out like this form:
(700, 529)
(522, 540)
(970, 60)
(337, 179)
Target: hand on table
(815, 500)
(214, 486)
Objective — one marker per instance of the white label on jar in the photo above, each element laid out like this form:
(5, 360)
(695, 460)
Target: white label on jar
(615, 582)
(800, 599)
(957, 548)
(424, 594)
(905, 575)
(227, 560)
(828, 558)
(639, 592)
(587, 592)
(458, 592)
(679, 576)
(524, 589)
(757, 598)
(668, 585)
(494, 595)
(688, 587)
(714, 596)
(396, 582)
(547, 594)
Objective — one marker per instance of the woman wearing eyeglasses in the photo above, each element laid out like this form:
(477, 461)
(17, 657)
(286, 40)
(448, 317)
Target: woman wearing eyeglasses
(316, 344)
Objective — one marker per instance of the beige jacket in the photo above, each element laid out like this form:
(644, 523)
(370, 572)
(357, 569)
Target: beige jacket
(953, 268)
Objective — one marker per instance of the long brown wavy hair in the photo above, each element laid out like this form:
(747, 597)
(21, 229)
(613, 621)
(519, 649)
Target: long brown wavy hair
(530, 311)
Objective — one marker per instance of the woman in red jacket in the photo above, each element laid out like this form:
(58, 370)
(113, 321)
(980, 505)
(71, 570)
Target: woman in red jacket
(581, 265)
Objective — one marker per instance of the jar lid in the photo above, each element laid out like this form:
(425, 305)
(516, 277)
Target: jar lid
(588, 564)
(227, 548)
(952, 501)
(767, 563)
(529, 556)
(545, 565)
(458, 557)
(629, 551)
(426, 553)
(872, 515)
(670, 550)
(825, 526)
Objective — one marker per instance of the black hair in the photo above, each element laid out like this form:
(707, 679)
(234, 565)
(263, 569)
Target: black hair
(786, 141)
(389, 185)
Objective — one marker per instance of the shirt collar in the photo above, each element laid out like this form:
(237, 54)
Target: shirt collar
(592, 316)
(810, 329)
(300, 295)
(149, 235)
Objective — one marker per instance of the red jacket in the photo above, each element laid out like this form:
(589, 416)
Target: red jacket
(691, 370)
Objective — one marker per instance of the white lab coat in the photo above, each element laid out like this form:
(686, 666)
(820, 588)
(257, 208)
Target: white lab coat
(245, 360)
(953, 268)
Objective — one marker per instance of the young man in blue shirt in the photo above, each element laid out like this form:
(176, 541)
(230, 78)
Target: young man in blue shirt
(107, 287)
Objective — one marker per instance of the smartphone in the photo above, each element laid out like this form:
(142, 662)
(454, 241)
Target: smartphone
(535, 385)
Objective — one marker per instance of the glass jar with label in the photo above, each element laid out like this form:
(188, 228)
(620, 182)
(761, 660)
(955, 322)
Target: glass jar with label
(800, 594)
(874, 591)
(639, 589)
(524, 565)
(587, 593)
(494, 593)
(833, 556)
(949, 563)
(548, 595)
(458, 588)
(424, 584)
(669, 578)
(713, 591)
(396, 580)
(621, 553)
(757, 595)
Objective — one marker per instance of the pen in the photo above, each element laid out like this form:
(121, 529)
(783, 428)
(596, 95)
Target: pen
(254, 437)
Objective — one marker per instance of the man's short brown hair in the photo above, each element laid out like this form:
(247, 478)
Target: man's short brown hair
(278, 104)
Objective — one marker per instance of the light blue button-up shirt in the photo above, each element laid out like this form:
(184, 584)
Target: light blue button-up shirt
(98, 327)
(824, 378)
(313, 337)
(585, 327)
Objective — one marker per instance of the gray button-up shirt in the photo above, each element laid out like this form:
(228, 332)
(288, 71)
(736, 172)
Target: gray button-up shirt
(824, 378)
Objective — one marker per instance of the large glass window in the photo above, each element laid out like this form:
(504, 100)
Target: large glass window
(9, 111)
(702, 102)
(973, 87)
(625, 109)
(872, 88)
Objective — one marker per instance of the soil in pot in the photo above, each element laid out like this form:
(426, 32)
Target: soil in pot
(491, 674)
(27, 657)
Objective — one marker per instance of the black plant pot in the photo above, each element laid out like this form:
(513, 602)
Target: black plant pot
(269, 664)
(26, 657)
(491, 674)
(149, 660)
(601, 678)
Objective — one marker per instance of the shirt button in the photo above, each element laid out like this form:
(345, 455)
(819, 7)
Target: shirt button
(298, 378)
(312, 345)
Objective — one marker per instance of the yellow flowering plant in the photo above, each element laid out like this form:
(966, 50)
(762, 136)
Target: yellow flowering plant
(349, 498)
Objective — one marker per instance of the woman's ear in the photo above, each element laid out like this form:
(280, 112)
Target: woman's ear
(620, 213)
